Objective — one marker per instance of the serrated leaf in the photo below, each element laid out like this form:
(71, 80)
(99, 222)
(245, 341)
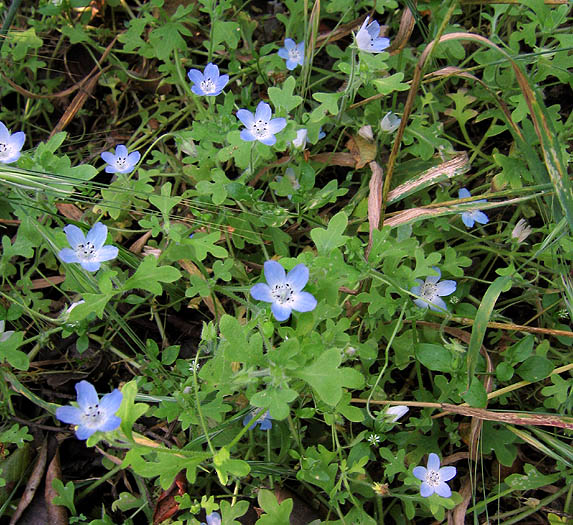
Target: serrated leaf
(149, 275)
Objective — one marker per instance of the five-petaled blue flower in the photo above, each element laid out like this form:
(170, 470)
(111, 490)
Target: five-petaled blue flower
(284, 291)
(293, 53)
(431, 290)
(265, 421)
(88, 250)
(434, 478)
(121, 162)
(213, 519)
(260, 126)
(92, 415)
(209, 83)
(10, 144)
(368, 37)
(470, 217)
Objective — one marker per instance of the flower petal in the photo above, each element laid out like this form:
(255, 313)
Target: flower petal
(109, 424)
(133, 158)
(270, 140)
(69, 414)
(464, 193)
(90, 266)
(291, 64)
(433, 279)
(446, 288)
(303, 302)
(443, 490)
(468, 219)
(87, 395)
(112, 401)
(246, 117)
(263, 112)
(247, 135)
(108, 157)
(221, 83)
(274, 273)
(277, 124)
(84, 432)
(426, 490)
(298, 277)
(120, 151)
(421, 303)
(481, 217)
(106, 253)
(373, 29)
(17, 139)
(4, 132)
(289, 44)
(247, 419)
(447, 473)
(261, 292)
(266, 424)
(74, 235)
(97, 235)
(195, 76)
(420, 472)
(437, 304)
(283, 53)
(212, 71)
(433, 462)
(281, 312)
(68, 255)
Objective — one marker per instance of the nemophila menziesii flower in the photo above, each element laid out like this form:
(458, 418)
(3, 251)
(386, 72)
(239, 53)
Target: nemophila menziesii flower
(4, 336)
(91, 415)
(368, 37)
(293, 53)
(88, 250)
(121, 162)
(394, 413)
(300, 141)
(390, 122)
(521, 231)
(10, 144)
(213, 519)
(265, 421)
(210, 83)
(470, 217)
(434, 478)
(432, 290)
(284, 291)
(260, 126)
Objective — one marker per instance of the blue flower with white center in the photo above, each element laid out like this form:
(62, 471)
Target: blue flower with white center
(434, 478)
(88, 250)
(470, 217)
(293, 53)
(284, 291)
(10, 144)
(368, 37)
(260, 126)
(431, 291)
(121, 162)
(208, 84)
(213, 519)
(92, 415)
(265, 421)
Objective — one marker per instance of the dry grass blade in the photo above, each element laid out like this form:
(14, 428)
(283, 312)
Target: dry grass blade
(57, 514)
(374, 202)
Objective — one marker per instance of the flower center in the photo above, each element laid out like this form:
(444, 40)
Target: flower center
(86, 251)
(429, 291)
(433, 478)
(5, 150)
(121, 162)
(294, 54)
(261, 128)
(93, 416)
(282, 293)
(208, 86)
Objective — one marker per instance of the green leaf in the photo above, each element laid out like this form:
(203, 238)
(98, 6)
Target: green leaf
(535, 368)
(65, 495)
(225, 466)
(327, 379)
(149, 275)
(167, 38)
(9, 352)
(531, 480)
(237, 345)
(164, 202)
(129, 411)
(331, 238)
(229, 513)
(283, 98)
(275, 513)
(521, 350)
(329, 103)
(93, 302)
(434, 357)
(387, 85)
(276, 400)
(203, 244)
(476, 396)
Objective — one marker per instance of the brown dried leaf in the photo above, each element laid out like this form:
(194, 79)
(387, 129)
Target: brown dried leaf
(166, 506)
(138, 245)
(374, 202)
(215, 307)
(70, 211)
(363, 151)
(57, 514)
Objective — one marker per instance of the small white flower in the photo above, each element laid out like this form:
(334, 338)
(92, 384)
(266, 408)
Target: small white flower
(394, 413)
(368, 37)
(366, 133)
(521, 231)
(373, 439)
(434, 478)
(300, 141)
(390, 122)
(4, 336)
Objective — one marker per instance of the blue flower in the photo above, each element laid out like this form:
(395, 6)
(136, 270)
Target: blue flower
(300, 141)
(431, 291)
(121, 162)
(284, 291)
(321, 134)
(88, 250)
(470, 217)
(293, 53)
(10, 144)
(92, 415)
(390, 122)
(434, 478)
(368, 37)
(265, 421)
(213, 519)
(260, 126)
(394, 413)
(208, 84)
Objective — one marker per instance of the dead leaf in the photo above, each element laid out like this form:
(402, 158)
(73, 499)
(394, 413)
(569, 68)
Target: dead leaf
(33, 483)
(138, 245)
(363, 151)
(57, 514)
(215, 306)
(166, 506)
(374, 202)
(69, 211)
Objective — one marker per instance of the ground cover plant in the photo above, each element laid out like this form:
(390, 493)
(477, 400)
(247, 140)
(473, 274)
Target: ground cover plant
(286, 262)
